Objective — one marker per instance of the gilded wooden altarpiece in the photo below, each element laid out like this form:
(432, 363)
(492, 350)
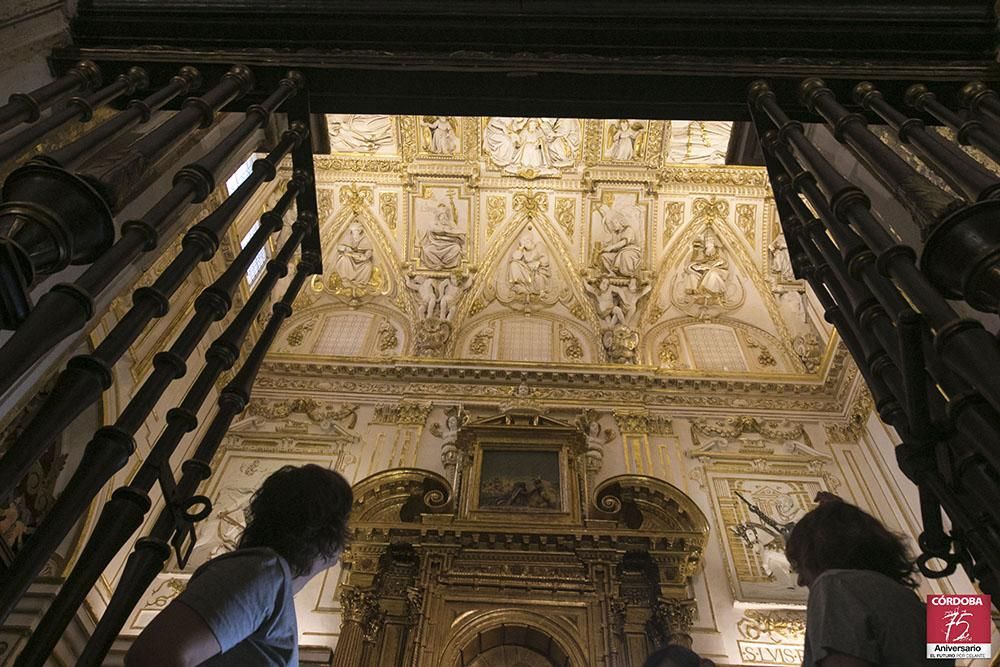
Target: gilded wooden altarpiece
(430, 571)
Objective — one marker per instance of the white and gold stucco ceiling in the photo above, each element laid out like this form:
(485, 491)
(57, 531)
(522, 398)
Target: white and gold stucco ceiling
(557, 242)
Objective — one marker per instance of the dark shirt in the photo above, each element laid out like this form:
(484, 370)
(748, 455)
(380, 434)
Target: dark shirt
(866, 615)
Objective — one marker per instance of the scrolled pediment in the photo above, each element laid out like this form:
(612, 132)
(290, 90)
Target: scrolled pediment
(645, 503)
(400, 494)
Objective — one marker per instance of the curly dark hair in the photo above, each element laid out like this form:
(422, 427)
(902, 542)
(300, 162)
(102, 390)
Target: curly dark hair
(839, 536)
(300, 512)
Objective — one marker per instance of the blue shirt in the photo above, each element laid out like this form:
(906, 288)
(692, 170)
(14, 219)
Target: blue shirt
(245, 598)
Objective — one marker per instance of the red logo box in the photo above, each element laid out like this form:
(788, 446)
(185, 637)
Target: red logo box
(958, 626)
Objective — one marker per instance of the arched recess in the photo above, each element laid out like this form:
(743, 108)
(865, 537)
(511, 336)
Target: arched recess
(743, 264)
(570, 341)
(370, 332)
(548, 635)
(668, 345)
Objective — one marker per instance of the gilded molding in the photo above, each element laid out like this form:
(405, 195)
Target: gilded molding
(411, 413)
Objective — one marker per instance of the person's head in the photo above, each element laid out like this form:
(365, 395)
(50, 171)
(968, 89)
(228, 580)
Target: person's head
(673, 656)
(839, 536)
(301, 513)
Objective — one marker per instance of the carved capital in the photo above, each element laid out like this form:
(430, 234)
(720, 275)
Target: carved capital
(671, 621)
(362, 607)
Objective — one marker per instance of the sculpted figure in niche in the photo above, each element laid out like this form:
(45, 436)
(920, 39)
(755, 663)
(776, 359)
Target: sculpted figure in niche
(621, 256)
(708, 271)
(532, 147)
(597, 438)
(441, 246)
(625, 139)
(528, 271)
(443, 134)
(781, 262)
(354, 256)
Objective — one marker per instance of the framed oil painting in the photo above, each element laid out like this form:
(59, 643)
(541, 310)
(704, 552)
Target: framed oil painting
(520, 480)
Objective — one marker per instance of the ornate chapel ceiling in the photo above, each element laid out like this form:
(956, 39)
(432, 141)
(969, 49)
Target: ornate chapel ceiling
(556, 245)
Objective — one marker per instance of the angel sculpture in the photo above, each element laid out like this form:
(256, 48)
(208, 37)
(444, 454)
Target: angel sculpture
(625, 140)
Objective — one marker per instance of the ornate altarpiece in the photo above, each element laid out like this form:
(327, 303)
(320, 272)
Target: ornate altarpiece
(435, 578)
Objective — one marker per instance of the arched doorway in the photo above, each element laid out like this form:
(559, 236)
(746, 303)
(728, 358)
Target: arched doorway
(513, 646)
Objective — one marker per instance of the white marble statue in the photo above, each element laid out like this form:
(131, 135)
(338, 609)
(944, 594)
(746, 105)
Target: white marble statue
(437, 297)
(426, 295)
(616, 304)
(441, 247)
(781, 262)
(528, 270)
(354, 256)
(449, 293)
(531, 147)
(443, 134)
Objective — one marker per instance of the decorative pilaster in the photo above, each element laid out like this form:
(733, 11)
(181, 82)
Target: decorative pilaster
(636, 426)
(410, 418)
(361, 623)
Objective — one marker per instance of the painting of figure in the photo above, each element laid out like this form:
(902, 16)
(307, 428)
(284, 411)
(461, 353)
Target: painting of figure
(520, 480)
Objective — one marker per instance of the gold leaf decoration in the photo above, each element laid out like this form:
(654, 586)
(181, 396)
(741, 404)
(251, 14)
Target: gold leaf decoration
(565, 209)
(746, 220)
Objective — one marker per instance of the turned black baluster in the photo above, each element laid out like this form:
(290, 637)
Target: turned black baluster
(67, 307)
(842, 299)
(50, 217)
(978, 98)
(174, 524)
(80, 108)
(966, 347)
(951, 163)
(968, 239)
(124, 513)
(861, 266)
(821, 265)
(871, 299)
(111, 446)
(72, 155)
(28, 107)
(970, 131)
(87, 376)
(927, 203)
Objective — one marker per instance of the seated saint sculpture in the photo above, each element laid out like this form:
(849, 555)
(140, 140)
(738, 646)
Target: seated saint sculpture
(528, 270)
(708, 271)
(621, 256)
(442, 247)
(354, 256)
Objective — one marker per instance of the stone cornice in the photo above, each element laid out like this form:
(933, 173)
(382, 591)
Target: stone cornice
(489, 384)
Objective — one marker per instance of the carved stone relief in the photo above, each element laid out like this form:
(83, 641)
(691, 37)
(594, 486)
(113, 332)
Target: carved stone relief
(532, 147)
(708, 286)
(354, 133)
(440, 135)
